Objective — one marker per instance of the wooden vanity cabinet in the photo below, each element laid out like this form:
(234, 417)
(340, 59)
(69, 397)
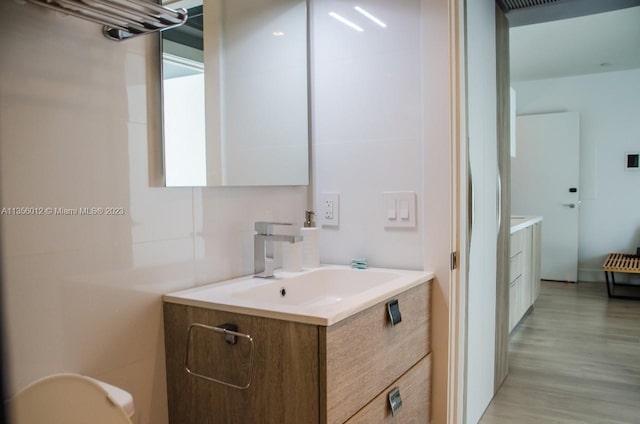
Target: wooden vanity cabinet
(302, 373)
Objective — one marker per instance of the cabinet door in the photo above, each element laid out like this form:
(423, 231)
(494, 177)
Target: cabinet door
(284, 378)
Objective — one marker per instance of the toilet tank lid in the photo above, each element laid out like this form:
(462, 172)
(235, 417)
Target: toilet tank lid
(119, 396)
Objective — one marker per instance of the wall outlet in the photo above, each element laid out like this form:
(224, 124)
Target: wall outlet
(329, 209)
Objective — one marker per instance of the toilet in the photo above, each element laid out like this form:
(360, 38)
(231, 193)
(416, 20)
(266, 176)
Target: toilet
(71, 399)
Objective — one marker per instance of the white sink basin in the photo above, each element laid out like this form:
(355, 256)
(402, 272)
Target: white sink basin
(322, 296)
(320, 287)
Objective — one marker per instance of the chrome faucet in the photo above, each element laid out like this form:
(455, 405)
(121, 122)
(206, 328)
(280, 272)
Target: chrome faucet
(262, 241)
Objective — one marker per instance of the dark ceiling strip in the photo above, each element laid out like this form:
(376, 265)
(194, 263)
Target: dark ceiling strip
(528, 12)
(508, 5)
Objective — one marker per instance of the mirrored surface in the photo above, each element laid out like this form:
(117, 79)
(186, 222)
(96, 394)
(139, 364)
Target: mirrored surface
(235, 106)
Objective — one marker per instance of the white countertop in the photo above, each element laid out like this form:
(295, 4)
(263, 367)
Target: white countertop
(319, 296)
(520, 222)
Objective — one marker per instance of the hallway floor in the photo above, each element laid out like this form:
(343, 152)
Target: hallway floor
(575, 359)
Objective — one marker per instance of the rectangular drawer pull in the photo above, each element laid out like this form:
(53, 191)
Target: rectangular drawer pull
(393, 308)
(395, 401)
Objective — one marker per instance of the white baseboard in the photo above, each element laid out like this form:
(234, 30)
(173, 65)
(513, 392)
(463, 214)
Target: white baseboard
(591, 275)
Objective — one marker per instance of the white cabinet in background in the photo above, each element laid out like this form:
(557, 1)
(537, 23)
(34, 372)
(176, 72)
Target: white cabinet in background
(524, 271)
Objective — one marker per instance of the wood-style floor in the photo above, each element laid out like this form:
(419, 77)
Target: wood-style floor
(574, 359)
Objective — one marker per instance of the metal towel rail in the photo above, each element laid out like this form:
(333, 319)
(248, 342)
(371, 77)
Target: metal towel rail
(226, 330)
(121, 19)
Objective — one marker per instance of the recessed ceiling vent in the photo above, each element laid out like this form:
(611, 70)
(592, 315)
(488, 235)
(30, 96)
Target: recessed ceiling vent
(508, 5)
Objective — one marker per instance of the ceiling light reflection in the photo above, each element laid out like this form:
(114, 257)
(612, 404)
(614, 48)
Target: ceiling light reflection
(347, 22)
(370, 16)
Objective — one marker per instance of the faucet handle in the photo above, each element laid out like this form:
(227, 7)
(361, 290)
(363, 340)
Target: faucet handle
(266, 228)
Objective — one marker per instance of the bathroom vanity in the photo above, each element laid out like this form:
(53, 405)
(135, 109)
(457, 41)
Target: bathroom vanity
(524, 266)
(333, 345)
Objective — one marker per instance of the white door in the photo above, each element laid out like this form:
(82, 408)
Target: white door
(545, 181)
(483, 159)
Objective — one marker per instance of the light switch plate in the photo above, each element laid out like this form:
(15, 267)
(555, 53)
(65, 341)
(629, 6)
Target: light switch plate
(329, 209)
(405, 213)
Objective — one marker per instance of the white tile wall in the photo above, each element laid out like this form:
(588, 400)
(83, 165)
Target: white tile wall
(367, 124)
(83, 293)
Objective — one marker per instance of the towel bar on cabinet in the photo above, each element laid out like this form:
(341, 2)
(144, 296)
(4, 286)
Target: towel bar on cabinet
(230, 335)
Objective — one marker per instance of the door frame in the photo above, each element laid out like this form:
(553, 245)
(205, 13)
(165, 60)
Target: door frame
(445, 187)
(460, 236)
(460, 173)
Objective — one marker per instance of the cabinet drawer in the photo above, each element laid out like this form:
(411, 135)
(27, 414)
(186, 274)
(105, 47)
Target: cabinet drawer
(515, 267)
(517, 242)
(414, 389)
(363, 354)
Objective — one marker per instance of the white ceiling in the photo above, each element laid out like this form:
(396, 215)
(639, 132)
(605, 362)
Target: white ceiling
(576, 46)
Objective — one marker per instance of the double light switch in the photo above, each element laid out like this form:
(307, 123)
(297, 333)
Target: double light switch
(400, 209)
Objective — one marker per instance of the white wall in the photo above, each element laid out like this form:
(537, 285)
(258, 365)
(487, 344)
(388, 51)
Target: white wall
(83, 293)
(609, 107)
(367, 127)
